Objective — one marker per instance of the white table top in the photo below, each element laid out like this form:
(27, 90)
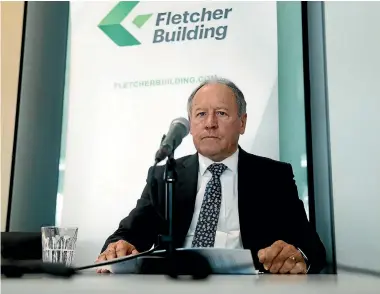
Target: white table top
(218, 284)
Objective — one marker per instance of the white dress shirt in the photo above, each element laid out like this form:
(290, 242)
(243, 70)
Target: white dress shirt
(228, 229)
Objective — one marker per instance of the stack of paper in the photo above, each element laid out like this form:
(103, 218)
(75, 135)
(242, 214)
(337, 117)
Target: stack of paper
(222, 261)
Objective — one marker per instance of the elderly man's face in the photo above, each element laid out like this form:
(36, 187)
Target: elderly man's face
(214, 121)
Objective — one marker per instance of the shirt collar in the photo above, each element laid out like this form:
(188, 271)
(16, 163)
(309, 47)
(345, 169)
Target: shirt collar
(231, 162)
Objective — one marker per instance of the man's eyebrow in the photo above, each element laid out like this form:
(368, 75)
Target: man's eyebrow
(218, 108)
(198, 108)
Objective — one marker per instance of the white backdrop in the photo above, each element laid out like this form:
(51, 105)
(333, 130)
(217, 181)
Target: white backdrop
(117, 112)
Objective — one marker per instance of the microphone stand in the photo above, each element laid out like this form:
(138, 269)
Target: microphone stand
(170, 177)
(173, 262)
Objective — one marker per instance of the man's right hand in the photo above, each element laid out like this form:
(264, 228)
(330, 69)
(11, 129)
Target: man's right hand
(114, 250)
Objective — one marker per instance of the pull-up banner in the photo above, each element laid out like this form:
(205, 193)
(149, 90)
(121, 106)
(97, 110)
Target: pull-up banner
(131, 68)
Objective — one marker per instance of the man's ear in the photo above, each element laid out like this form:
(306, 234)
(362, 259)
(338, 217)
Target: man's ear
(243, 123)
(191, 133)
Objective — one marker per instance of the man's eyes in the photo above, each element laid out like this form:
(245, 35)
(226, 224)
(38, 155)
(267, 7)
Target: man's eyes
(203, 113)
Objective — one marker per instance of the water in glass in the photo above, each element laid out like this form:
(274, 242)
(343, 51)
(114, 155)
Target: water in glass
(59, 244)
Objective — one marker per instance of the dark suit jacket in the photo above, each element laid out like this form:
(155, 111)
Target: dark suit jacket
(269, 209)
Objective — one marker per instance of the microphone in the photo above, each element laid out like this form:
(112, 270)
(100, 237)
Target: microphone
(179, 129)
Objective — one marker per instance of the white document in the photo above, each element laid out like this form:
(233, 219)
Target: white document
(222, 261)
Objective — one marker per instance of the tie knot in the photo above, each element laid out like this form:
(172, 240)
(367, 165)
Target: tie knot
(217, 169)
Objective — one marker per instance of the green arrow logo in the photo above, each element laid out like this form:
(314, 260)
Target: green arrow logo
(111, 26)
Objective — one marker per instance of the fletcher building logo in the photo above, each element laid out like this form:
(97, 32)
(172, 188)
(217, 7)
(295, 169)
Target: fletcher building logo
(111, 24)
(169, 27)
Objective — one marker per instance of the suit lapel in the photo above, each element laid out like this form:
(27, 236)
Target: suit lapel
(185, 194)
(246, 193)
(252, 202)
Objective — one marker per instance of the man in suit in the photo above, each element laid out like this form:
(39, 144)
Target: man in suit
(225, 197)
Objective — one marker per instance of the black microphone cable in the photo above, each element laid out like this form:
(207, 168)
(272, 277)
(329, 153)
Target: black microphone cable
(117, 260)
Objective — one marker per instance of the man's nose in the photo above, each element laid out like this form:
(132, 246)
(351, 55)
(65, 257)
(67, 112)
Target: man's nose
(211, 121)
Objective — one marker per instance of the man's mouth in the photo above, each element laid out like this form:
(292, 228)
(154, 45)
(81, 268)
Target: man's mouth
(210, 137)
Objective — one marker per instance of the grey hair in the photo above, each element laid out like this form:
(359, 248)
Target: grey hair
(240, 100)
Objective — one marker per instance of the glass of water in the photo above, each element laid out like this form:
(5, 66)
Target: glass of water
(58, 244)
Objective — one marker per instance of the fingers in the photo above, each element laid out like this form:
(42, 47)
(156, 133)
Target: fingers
(111, 251)
(261, 255)
(288, 254)
(104, 271)
(299, 268)
(287, 266)
(272, 252)
(115, 250)
(101, 258)
(282, 258)
(291, 262)
(122, 248)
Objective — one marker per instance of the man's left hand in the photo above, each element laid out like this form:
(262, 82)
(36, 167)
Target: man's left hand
(282, 258)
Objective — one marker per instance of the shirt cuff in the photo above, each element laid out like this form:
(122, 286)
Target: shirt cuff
(305, 258)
